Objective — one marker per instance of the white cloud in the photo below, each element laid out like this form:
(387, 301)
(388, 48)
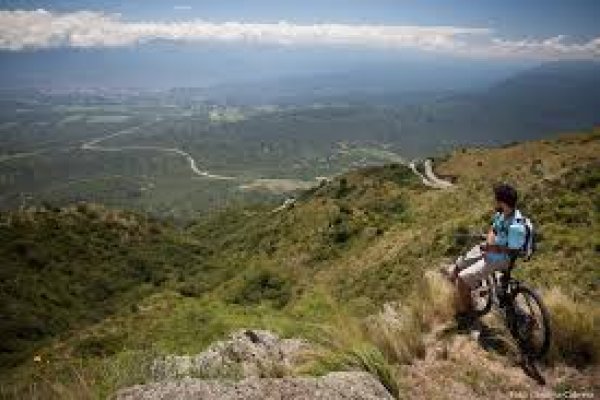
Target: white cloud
(43, 29)
(554, 47)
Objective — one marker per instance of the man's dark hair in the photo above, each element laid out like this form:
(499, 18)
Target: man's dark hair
(506, 194)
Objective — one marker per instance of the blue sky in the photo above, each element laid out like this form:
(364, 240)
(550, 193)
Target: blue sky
(221, 40)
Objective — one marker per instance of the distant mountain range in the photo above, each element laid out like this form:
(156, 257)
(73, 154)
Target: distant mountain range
(532, 104)
(392, 85)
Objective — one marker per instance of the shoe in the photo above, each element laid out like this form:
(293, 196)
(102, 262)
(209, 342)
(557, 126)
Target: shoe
(464, 322)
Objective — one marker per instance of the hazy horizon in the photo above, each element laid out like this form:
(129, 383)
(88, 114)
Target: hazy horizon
(431, 45)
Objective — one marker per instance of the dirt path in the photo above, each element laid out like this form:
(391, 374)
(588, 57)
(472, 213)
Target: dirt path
(485, 366)
(429, 178)
(94, 145)
(440, 183)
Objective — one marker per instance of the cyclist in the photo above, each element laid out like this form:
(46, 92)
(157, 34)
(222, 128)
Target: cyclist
(504, 240)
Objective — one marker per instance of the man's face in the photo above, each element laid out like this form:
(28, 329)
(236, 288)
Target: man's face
(500, 206)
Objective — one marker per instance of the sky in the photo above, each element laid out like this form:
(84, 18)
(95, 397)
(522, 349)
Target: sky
(179, 43)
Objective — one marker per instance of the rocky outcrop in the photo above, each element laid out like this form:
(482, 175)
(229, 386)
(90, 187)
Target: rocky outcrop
(250, 365)
(335, 385)
(246, 353)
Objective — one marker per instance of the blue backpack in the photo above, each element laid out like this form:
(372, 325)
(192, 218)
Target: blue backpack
(521, 236)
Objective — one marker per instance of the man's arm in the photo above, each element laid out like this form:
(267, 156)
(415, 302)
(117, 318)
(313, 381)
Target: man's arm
(491, 237)
(494, 248)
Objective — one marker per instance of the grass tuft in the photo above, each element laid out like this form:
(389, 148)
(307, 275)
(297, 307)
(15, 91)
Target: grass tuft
(575, 329)
(381, 342)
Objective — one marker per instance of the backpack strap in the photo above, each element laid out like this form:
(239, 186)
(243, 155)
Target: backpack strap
(527, 249)
(527, 246)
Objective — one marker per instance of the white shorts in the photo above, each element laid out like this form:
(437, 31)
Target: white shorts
(474, 267)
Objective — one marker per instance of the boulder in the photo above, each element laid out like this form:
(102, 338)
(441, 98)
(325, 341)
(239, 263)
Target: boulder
(246, 353)
(335, 385)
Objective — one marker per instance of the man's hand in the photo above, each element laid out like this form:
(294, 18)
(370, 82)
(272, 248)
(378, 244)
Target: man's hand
(494, 248)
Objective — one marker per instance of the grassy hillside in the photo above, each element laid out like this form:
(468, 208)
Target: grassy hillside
(92, 294)
(72, 266)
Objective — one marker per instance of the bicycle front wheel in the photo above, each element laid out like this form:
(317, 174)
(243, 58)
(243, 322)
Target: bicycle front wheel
(529, 322)
(482, 296)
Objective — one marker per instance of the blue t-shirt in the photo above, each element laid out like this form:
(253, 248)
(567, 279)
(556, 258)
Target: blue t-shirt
(506, 231)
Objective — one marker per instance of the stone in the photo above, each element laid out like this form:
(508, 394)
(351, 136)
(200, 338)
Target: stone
(335, 385)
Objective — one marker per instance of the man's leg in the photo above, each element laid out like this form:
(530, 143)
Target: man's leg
(470, 277)
(464, 303)
(462, 262)
(467, 279)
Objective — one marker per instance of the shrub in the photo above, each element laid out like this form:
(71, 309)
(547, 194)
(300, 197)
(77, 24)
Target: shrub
(260, 285)
(99, 346)
(340, 233)
(191, 289)
(343, 189)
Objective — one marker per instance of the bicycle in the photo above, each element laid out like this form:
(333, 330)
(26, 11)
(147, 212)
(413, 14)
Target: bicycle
(516, 302)
(524, 312)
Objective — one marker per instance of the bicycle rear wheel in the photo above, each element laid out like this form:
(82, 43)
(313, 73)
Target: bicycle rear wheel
(529, 321)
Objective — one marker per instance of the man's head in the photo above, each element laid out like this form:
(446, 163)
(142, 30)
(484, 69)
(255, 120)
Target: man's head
(506, 198)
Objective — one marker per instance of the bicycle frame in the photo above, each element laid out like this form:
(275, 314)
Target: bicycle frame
(504, 284)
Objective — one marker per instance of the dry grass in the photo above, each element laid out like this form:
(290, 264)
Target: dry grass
(397, 333)
(437, 299)
(73, 385)
(399, 329)
(80, 379)
(490, 164)
(394, 336)
(575, 329)
(345, 345)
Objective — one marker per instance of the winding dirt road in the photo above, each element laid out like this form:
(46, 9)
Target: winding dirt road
(94, 145)
(429, 178)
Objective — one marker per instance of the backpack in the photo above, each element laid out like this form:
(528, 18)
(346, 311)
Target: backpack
(529, 244)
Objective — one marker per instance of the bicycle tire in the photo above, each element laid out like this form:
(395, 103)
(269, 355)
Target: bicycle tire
(486, 305)
(524, 343)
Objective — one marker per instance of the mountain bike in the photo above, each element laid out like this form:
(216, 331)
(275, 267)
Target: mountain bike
(523, 310)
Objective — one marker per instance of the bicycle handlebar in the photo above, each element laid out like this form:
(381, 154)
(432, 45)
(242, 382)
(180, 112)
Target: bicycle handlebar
(470, 235)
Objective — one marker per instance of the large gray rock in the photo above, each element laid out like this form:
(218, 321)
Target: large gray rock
(246, 353)
(336, 385)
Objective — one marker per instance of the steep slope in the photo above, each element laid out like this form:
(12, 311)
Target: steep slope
(66, 267)
(314, 270)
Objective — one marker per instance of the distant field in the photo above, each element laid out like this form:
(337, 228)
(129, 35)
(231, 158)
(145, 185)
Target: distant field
(142, 146)
(107, 119)
(270, 152)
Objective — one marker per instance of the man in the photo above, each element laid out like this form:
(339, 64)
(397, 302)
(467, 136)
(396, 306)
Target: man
(504, 240)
